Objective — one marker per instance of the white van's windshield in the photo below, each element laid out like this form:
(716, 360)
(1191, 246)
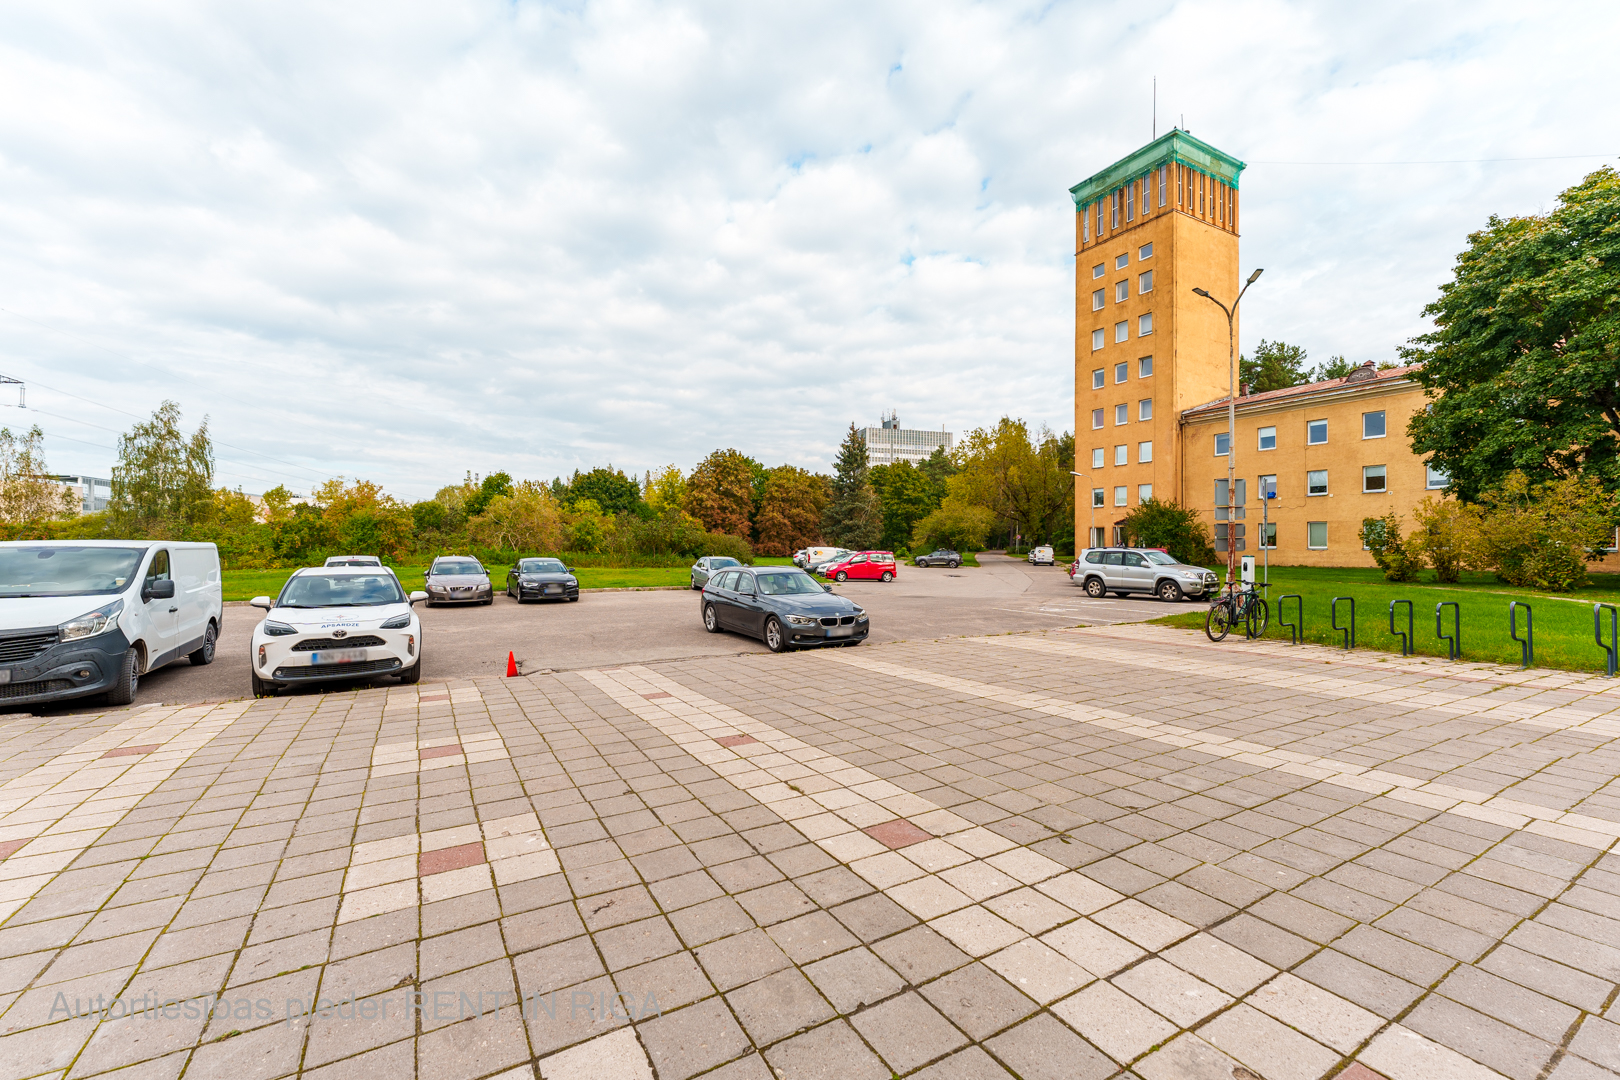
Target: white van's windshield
(66, 571)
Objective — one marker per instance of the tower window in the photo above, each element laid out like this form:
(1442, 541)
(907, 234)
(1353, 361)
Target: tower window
(1099, 270)
(1144, 252)
(1122, 261)
(1096, 339)
(1164, 183)
(1114, 214)
(1097, 300)
(1122, 331)
(1144, 367)
(1144, 409)
(1200, 194)
(1144, 452)
(1130, 202)
(1122, 372)
(1085, 225)
(1144, 282)
(1122, 291)
(1097, 458)
(1122, 455)
(1122, 414)
(1097, 379)
(1096, 419)
(1144, 324)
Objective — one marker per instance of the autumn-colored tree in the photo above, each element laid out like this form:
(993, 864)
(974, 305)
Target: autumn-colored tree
(790, 511)
(664, 488)
(720, 493)
(363, 520)
(527, 519)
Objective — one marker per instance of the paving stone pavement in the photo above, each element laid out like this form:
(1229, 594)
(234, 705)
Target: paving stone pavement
(1109, 852)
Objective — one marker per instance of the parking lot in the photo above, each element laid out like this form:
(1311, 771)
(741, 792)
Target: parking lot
(607, 628)
(1113, 853)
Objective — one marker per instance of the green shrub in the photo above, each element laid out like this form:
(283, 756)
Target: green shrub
(1382, 537)
(1164, 523)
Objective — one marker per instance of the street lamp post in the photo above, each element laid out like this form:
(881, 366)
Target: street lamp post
(1091, 517)
(1231, 421)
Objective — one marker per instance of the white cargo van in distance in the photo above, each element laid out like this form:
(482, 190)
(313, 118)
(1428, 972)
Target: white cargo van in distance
(82, 617)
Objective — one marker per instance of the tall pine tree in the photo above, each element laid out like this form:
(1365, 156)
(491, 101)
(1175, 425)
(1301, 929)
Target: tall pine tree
(854, 516)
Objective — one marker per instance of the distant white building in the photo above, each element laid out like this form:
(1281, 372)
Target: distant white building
(890, 443)
(93, 492)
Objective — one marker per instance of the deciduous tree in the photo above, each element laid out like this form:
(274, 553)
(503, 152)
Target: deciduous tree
(528, 520)
(790, 511)
(163, 481)
(908, 495)
(29, 495)
(720, 493)
(1021, 481)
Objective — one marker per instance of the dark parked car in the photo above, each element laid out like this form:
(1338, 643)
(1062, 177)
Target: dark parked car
(782, 606)
(942, 557)
(458, 579)
(708, 566)
(541, 579)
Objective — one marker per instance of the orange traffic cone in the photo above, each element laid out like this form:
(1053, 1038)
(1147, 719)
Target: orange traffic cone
(511, 666)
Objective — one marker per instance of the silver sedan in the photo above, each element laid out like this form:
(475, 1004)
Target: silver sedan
(709, 565)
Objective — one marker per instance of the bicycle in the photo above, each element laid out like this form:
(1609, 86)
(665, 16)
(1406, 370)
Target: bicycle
(1245, 606)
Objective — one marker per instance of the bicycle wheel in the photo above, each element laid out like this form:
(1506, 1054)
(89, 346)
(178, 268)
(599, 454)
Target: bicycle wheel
(1218, 623)
(1255, 625)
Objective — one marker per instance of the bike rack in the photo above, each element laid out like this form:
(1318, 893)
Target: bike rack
(1614, 637)
(1406, 638)
(1296, 630)
(1349, 631)
(1527, 644)
(1454, 639)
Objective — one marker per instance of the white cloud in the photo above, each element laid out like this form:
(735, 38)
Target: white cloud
(406, 241)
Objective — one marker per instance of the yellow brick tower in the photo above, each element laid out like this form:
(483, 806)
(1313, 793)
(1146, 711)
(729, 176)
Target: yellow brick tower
(1149, 229)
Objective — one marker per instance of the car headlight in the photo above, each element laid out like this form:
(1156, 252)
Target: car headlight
(860, 614)
(277, 629)
(398, 622)
(91, 623)
(801, 620)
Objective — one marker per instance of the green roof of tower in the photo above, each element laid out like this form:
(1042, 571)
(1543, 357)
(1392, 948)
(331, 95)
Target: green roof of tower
(1176, 146)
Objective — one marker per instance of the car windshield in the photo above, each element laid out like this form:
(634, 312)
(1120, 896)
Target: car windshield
(457, 566)
(1159, 558)
(787, 584)
(346, 590)
(721, 560)
(66, 571)
(541, 566)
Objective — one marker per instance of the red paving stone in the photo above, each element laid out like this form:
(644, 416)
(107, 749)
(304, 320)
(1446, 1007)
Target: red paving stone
(450, 858)
(440, 751)
(655, 697)
(131, 751)
(1358, 1071)
(8, 846)
(898, 833)
(736, 740)
(434, 697)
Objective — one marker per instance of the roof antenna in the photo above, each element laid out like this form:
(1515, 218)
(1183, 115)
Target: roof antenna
(1155, 107)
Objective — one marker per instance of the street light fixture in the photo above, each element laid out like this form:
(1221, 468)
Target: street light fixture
(1231, 420)
(1091, 517)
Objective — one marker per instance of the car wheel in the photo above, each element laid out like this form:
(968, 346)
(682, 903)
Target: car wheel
(852, 644)
(842, 577)
(1094, 588)
(262, 688)
(888, 575)
(711, 621)
(1169, 592)
(205, 655)
(574, 599)
(775, 640)
(413, 675)
(954, 565)
(694, 585)
(129, 678)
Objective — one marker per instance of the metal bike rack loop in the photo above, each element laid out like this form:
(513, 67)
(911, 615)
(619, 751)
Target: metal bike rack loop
(1454, 639)
(1614, 637)
(1527, 644)
(1296, 630)
(1406, 638)
(1349, 631)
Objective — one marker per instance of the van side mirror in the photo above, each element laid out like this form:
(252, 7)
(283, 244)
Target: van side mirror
(260, 602)
(158, 590)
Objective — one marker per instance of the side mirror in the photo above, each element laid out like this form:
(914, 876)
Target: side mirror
(158, 590)
(418, 597)
(826, 588)
(260, 602)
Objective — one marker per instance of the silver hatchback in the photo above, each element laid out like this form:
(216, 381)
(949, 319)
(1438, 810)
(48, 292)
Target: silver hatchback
(1123, 571)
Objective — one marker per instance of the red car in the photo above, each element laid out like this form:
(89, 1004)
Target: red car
(867, 565)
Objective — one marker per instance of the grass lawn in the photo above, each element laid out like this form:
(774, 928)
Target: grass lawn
(1563, 622)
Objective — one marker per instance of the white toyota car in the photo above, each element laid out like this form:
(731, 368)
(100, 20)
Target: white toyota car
(334, 623)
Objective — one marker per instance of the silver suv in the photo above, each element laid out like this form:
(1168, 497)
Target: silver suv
(1123, 571)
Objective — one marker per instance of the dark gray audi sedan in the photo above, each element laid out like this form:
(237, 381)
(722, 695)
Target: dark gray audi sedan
(782, 606)
(541, 579)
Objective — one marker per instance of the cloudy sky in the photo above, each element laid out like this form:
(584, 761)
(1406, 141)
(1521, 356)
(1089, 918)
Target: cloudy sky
(405, 241)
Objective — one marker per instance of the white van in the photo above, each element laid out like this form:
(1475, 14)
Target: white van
(82, 617)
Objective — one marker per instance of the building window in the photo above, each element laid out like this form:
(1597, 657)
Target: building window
(1114, 211)
(1316, 535)
(1122, 372)
(1144, 409)
(1164, 180)
(1096, 419)
(1372, 425)
(1085, 225)
(1122, 331)
(1316, 482)
(1374, 478)
(1122, 455)
(1223, 443)
(1268, 534)
(1144, 452)
(1099, 497)
(1130, 202)
(1316, 432)
(1098, 339)
(1122, 414)
(1144, 282)
(1099, 270)
(1119, 495)
(1144, 367)
(1435, 478)
(1122, 291)
(1097, 300)
(1268, 487)
(1122, 261)
(1144, 492)
(1097, 379)
(1268, 438)
(1144, 324)
(1099, 535)
(1097, 458)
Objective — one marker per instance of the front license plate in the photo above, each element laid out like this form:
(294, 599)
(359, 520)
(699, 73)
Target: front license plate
(554, 588)
(337, 656)
(840, 631)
